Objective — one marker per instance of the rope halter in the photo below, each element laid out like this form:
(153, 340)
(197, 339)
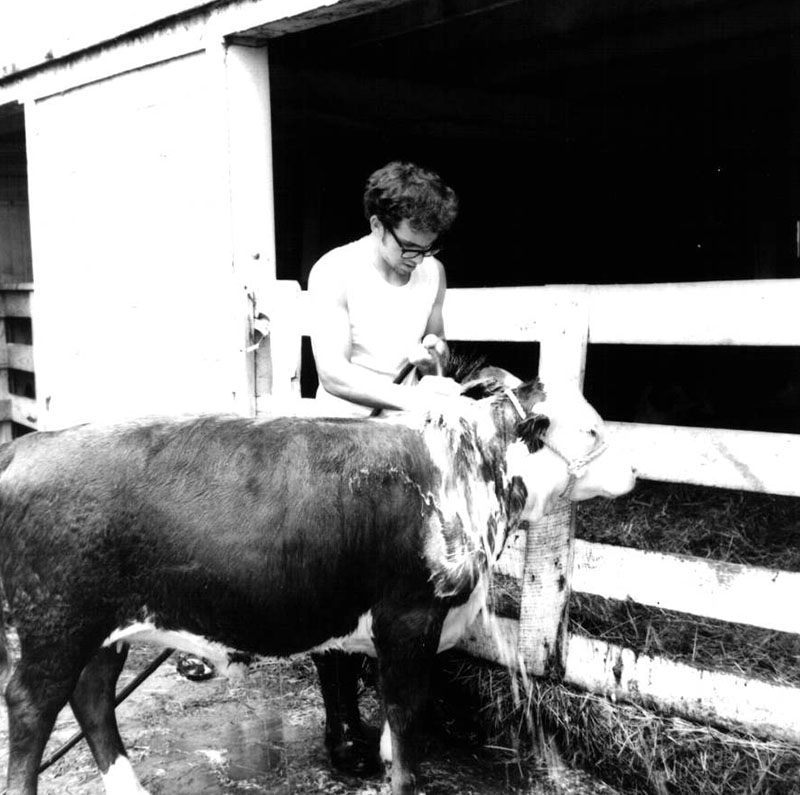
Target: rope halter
(514, 400)
(576, 468)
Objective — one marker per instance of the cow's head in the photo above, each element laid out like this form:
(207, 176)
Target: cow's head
(562, 452)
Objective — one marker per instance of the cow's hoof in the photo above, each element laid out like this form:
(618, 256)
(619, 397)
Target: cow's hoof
(198, 669)
(355, 756)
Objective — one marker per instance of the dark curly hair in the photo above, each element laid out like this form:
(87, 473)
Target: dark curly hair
(404, 190)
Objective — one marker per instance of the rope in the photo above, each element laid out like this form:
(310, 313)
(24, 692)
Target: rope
(120, 697)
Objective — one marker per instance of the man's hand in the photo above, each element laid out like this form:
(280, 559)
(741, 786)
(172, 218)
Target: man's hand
(430, 356)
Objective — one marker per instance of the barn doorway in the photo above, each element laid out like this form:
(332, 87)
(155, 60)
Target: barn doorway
(590, 143)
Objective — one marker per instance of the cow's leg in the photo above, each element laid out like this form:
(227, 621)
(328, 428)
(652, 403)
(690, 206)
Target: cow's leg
(92, 703)
(34, 697)
(406, 643)
(351, 748)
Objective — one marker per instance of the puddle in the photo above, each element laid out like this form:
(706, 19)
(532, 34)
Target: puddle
(248, 749)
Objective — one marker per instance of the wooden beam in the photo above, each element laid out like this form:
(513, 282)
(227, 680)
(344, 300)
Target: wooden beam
(746, 460)
(18, 409)
(708, 697)
(14, 303)
(715, 589)
(17, 356)
(752, 312)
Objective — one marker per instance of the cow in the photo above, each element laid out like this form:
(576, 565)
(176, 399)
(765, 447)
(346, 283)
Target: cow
(232, 537)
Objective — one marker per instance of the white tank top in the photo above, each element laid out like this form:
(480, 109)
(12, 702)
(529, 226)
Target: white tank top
(386, 320)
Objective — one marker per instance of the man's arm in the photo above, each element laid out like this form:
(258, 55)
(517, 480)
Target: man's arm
(434, 340)
(332, 343)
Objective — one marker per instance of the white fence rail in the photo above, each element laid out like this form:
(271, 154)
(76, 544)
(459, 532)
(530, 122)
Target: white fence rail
(566, 321)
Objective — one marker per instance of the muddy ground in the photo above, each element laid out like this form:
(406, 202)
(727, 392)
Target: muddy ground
(264, 735)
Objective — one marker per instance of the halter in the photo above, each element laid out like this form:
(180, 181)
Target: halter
(514, 400)
(576, 467)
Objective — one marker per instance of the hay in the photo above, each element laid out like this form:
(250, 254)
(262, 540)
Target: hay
(626, 745)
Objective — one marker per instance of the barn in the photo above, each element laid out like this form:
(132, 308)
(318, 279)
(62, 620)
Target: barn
(169, 175)
(162, 166)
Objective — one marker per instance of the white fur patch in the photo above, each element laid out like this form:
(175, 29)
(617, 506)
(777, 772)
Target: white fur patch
(121, 780)
(459, 618)
(386, 743)
(359, 641)
(149, 632)
(465, 506)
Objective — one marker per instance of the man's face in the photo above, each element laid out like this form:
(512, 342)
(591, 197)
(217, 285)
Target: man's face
(405, 247)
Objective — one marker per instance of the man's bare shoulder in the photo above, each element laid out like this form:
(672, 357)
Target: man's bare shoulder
(335, 265)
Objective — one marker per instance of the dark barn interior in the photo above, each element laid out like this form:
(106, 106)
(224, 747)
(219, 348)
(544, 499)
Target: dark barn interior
(615, 142)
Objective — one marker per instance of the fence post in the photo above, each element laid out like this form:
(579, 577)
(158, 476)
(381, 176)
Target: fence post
(549, 546)
(278, 361)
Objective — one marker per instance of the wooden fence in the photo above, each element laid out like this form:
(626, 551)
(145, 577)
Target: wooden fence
(17, 383)
(566, 321)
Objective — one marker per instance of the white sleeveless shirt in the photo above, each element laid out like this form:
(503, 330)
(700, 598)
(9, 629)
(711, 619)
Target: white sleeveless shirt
(386, 320)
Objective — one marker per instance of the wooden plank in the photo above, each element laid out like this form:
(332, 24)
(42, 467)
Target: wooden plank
(14, 303)
(753, 312)
(746, 460)
(733, 592)
(17, 356)
(514, 314)
(709, 697)
(282, 305)
(726, 591)
(22, 410)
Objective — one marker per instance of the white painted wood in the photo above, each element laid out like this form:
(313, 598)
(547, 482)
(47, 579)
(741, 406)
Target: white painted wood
(169, 38)
(515, 314)
(746, 460)
(249, 156)
(726, 591)
(249, 151)
(282, 306)
(753, 312)
(715, 589)
(16, 408)
(710, 697)
(17, 356)
(135, 294)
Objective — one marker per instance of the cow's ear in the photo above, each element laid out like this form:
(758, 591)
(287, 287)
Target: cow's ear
(530, 393)
(532, 430)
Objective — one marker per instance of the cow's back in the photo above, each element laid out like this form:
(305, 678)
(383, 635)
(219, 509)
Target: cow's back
(217, 522)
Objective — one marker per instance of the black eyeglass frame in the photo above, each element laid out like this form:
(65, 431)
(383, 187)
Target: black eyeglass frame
(413, 253)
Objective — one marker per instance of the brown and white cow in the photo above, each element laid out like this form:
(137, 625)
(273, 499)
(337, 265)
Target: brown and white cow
(232, 537)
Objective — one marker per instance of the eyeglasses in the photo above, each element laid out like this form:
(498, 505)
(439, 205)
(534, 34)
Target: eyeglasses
(413, 253)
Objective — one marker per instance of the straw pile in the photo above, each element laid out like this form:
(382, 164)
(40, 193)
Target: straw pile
(628, 746)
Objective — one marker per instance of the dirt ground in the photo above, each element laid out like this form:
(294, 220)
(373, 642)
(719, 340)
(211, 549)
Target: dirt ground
(263, 735)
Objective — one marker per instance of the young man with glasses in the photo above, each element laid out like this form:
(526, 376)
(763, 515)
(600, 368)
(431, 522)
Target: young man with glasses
(378, 309)
(378, 301)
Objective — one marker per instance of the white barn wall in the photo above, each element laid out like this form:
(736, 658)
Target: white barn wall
(136, 306)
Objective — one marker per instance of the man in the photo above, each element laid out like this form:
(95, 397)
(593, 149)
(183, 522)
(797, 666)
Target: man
(378, 309)
(378, 300)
